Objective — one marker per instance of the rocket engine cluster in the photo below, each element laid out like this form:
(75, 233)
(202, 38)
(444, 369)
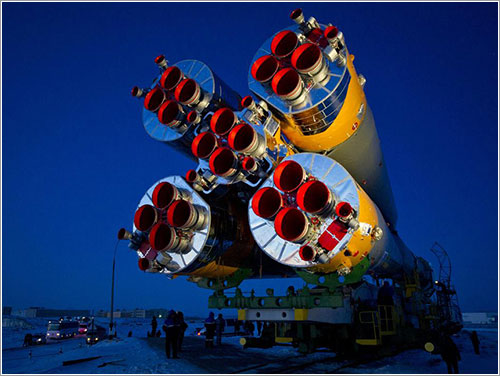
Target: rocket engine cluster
(290, 178)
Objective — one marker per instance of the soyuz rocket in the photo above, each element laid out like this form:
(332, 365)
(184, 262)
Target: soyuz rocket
(289, 180)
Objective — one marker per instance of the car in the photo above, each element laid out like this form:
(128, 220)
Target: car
(83, 328)
(38, 339)
(95, 334)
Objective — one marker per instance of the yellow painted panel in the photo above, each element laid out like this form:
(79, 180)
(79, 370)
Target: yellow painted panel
(368, 342)
(344, 126)
(300, 314)
(242, 314)
(283, 339)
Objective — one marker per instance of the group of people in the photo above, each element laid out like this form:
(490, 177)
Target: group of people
(214, 326)
(174, 327)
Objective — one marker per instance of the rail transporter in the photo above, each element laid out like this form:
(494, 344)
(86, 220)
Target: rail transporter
(290, 182)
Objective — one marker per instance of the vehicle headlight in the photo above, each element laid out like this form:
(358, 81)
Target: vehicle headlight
(58, 334)
(39, 340)
(96, 339)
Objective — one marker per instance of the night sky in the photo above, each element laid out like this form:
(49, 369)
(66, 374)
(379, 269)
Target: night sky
(76, 159)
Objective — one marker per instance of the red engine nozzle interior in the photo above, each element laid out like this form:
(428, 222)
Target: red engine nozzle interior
(154, 99)
(288, 176)
(180, 213)
(247, 101)
(331, 32)
(171, 78)
(307, 253)
(264, 68)
(291, 224)
(160, 59)
(143, 264)
(187, 91)
(169, 112)
(297, 15)
(162, 237)
(267, 202)
(242, 137)
(191, 176)
(307, 58)
(343, 209)
(223, 162)
(223, 121)
(164, 194)
(287, 83)
(204, 145)
(145, 217)
(248, 164)
(284, 43)
(313, 196)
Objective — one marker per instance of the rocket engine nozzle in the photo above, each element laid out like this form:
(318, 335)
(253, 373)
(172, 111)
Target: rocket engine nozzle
(154, 99)
(244, 139)
(223, 162)
(188, 92)
(182, 214)
(267, 202)
(288, 85)
(193, 117)
(164, 194)
(331, 33)
(297, 16)
(143, 264)
(191, 176)
(284, 43)
(288, 176)
(137, 92)
(204, 145)
(307, 59)
(314, 197)
(171, 78)
(161, 61)
(145, 217)
(223, 121)
(124, 234)
(164, 238)
(292, 225)
(249, 164)
(344, 210)
(264, 68)
(171, 114)
(307, 253)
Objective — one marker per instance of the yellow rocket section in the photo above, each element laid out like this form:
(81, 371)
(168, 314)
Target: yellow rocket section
(343, 127)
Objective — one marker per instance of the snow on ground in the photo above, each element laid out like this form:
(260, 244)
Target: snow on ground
(139, 354)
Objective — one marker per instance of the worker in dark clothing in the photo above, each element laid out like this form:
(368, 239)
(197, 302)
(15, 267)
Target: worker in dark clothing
(28, 340)
(154, 325)
(171, 334)
(449, 353)
(220, 324)
(475, 341)
(259, 327)
(385, 294)
(182, 329)
(210, 331)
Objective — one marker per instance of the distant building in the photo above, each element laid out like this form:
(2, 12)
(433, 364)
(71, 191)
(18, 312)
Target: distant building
(6, 311)
(480, 318)
(44, 312)
(158, 312)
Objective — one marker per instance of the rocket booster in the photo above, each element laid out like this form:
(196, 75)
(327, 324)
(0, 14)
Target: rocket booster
(180, 96)
(311, 214)
(306, 75)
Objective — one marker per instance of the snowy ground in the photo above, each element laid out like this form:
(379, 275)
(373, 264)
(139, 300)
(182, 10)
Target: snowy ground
(146, 355)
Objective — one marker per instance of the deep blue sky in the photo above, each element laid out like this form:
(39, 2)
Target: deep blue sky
(76, 158)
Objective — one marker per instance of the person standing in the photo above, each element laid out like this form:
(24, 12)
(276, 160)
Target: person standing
(154, 325)
(171, 333)
(259, 328)
(210, 331)
(220, 324)
(182, 329)
(475, 341)
(450, 353)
